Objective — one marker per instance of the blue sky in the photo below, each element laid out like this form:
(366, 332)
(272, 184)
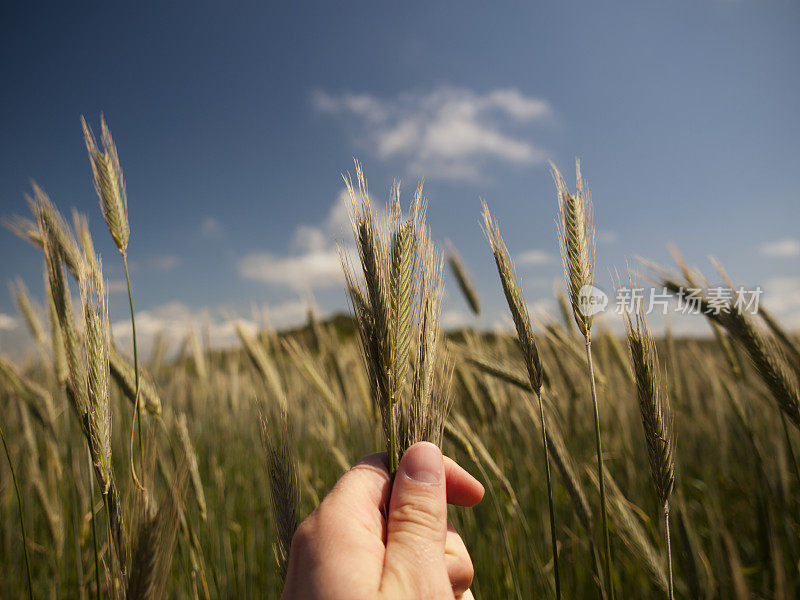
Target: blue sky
(233, 122)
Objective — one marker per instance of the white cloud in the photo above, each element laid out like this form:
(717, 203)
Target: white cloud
(446, 133)
(163, 262)
(116, 286)
(782, 298)
(286, 314)
(543, 310)
(538, 282)
(314, 269)
(787, 247)
(456, 319)
(167, 262)
(7, 322)
(174, 320)
(607, 237)
(309, 239)
(212, 229)
(534, 257)
(313, 261)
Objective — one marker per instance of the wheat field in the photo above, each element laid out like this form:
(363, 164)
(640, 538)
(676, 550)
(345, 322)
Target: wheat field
(616, 466)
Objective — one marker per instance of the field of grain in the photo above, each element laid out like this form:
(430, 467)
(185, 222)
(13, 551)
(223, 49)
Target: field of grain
(196, 493)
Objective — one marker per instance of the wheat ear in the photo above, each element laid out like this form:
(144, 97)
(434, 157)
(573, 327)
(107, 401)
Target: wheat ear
(463, 279)
(372, 305)
(110, 187)
(576, 240)
(155, 543)
(108, 183)
(61, 237)
(95, 323)
(656, 418)
(530, 354)
(283, 486)
(59, 292)
(21, 514)
(26, 308)
(194, 470)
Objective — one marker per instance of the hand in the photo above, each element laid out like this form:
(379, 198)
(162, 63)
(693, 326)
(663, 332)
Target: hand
(352, 548)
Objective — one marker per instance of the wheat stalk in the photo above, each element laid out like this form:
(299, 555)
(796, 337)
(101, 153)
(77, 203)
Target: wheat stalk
(631, 531)
(764, 354)
(264, 365)
(576, 241)
(26, 308)
(110, 187)
(62, 301)
(56, 339)
(372, 306)
(194, 470)
(283, 486)
(81, 225)
(37, 398)
(401, 280)
(576, 233)
(461, 435)
(109, 183)
(463, 279)
(125, 377)
(21, 514)
(95, 322)
(60, 236)
(530, 354)
(155, 544)
(305, 363)
(656, 417)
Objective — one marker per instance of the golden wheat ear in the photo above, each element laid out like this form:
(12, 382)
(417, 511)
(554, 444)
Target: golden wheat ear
(576, 236)
(109, 183)
(96, 329)
(154, 547)
(515, 299)
(530, 353)
(284, 490)
(463, 279)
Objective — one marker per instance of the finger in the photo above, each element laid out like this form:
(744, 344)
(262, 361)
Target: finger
(462, 488)
(362, 493)
(417, 525)
(459, 565)
(348, 518)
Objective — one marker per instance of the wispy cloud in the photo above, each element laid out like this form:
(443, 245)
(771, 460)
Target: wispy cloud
(116, 286)
(7, 322)
(175, 320)
(212, 229)
(782, 297)
(160, 262)
(313, 261)
(456, 319)
(607, 237)
(166, 262)
(784, 248)
(285, 314)
(535, 257)
(317, 269)
(448, 133)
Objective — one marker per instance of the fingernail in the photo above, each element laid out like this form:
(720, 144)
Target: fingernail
(423, 463)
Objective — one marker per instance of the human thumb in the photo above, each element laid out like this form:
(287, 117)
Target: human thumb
(416, 527)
